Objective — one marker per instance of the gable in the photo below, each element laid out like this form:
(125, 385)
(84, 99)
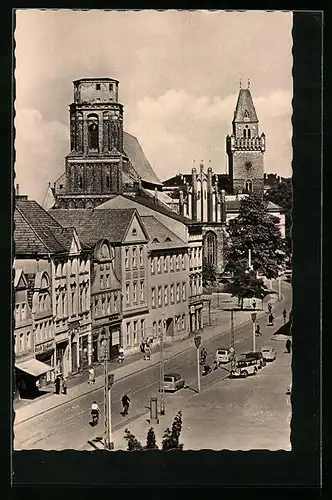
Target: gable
(20, 280)
(135, 231)
(75, 246)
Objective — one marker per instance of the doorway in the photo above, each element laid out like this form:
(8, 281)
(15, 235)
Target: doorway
(169, 327)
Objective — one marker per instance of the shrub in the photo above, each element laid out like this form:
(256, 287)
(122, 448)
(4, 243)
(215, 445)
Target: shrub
(132, 443)
(171, 437)
(151, 440)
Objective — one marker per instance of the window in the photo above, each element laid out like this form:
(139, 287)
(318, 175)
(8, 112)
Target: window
(142, 290)
(165, 264)
(158, 265)
(178, 292)
(110, 87)
(153, 297)
(109, 306)
(183, 262)
(210, 242)
(28, 340)
(127, 258)
(108, 181)
(107, 280)
(160, 300)
(73, 303)
(142, 328)
(248, 186)
(57, 305)
(172, 294)
(134, 257)
(154, 329)
(172, 263)
(249, 133)
(64, 309)
(21, 346)
(103, 305)
(166, 295)
(195, 257)
(115, 301)
(134, 232)
(183, 321)
(17, 313)
(93, 132)
(135, 332)
(141, 257)
(128, 333)
(152, 265)
(80, 182)
(135, 291)
(97, 86)
(127, 293)
(183, 292)
(23, 311)
(245, 133)
(177, 259)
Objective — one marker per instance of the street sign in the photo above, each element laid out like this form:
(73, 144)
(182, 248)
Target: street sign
(197, 340)
(253, 317)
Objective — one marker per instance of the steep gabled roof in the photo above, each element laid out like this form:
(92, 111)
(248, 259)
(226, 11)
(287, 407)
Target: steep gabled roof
(245, 106)
(139, 161)
(159, 235)
(94, 225)
(36, 232)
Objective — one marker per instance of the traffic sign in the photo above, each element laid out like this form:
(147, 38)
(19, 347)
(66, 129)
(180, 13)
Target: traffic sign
(197, 340)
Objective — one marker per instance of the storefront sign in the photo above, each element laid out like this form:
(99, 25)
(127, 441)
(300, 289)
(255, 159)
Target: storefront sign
(47, 346)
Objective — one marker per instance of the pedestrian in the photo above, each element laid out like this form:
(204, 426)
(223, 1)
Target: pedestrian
(57, 384)
(258, 330)
(254, 304)
(125, 404)
(142, 348)
(91, 375)
(148, 353)
(37, 385)
(271, 319)
(269, 307)
(64, 386)
(284, 315)
(288, 345)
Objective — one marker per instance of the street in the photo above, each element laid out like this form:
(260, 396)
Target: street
(67, 427)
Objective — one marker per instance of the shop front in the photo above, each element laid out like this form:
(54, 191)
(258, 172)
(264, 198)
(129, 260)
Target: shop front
(61, 358)
(45, 353)
(114, 342)
(83, 352)
(111, 331)
(27, 373)
(196, 318)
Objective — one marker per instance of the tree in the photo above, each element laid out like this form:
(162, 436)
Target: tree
(282, 195)
(245, 284)
(151, 440)
(209, 273)
(254, 229)
(171, 437)
(132, 443)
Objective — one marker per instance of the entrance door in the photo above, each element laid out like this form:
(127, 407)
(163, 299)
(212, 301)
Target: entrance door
(74, 357)
(169, 327)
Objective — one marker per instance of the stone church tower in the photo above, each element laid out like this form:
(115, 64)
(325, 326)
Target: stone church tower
(245, 148)
(94, 167)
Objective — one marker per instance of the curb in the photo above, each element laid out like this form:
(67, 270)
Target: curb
(122, 378)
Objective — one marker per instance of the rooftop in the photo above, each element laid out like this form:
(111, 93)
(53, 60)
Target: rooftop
(160, 236)
(245, 109)
(139, 161)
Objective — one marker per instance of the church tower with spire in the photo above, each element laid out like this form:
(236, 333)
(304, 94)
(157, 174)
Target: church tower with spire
(245, 147)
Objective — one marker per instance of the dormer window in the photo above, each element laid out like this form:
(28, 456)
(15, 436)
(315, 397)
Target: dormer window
(134, 232)
(168, 239)
(155, 240)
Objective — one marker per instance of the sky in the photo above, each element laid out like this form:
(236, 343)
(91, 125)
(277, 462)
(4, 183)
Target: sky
(179, 74)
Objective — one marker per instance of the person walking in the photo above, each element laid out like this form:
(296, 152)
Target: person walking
(254, 304)
(258, 331)
(91, 375)
(142, 348)
(64, 386)
(271, 319)
(148, 353)
(269, 307)
(288, 345)
(57, 383)
(125, 400)
(284, 315)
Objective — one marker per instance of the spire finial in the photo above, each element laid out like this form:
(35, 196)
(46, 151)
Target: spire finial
(240, 84)
(248, 83)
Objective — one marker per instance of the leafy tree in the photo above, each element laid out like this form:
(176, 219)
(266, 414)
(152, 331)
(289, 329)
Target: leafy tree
(151, 440)
(245, 284)
(132, 443)
(282, 194)
(209, 273)
(171, 437)
(258, 231)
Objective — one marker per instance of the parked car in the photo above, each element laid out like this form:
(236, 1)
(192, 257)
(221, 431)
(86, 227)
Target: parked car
(173, 382)
(256, 355)
(269, 353)
(223, 355)
(245, 367)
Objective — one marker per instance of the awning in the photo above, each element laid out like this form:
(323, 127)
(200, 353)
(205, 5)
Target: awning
(33, 367)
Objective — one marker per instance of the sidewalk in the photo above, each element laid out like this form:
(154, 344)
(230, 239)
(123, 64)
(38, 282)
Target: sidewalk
(77, 386)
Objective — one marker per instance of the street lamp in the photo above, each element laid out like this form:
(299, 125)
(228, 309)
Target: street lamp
(197, 340)
(108, 382)
(162, 371)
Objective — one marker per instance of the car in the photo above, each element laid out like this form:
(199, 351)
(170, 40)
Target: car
(269, 353)
(245, 367)
(173, 382)
(223, 355)
(256, 355)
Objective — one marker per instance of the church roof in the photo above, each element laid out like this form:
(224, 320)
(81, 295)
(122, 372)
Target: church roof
(139, 161)
(245, 109)
(94, 225)
(234, 206)
(159, 235)
(36, 232)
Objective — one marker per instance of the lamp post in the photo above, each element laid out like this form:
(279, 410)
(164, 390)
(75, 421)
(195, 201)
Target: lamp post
(253, 317)
(233, 358)
(197, 340)
(108, 382)
(109, 387)
(279, 285)
(162, 371)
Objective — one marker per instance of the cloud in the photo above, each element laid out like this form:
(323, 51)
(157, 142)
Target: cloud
(40, 147)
